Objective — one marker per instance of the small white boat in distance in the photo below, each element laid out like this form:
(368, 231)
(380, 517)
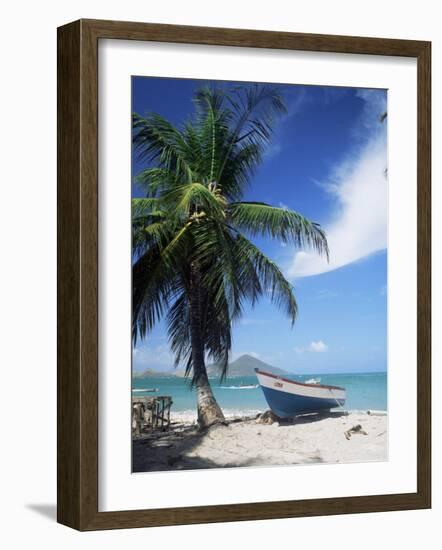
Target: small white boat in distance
(288, 398)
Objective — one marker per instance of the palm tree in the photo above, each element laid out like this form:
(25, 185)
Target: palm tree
(193, 262)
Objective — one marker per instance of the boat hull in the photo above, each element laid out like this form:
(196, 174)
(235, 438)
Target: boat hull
(288, 398)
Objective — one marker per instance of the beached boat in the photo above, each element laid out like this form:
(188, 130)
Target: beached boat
(289, 398)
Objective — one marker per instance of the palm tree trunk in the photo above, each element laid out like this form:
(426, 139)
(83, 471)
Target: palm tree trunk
(209, 412)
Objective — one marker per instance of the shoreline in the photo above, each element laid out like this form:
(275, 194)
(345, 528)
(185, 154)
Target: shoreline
(337, 437)
(190, 416)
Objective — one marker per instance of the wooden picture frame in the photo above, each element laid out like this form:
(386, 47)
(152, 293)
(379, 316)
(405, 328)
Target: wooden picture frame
(78, 274)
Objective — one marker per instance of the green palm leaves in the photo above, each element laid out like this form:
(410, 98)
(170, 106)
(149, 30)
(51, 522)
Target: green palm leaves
(192, 225)
(278, 223)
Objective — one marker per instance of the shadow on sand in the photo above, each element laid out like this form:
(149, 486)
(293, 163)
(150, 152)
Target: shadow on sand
(311, 418)
(168, 451)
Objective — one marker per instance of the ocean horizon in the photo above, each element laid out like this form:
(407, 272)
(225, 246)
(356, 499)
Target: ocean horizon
(241, 395)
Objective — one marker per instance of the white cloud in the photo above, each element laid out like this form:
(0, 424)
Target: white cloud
(359, 185)
(375, 105)
(318, 347)
(314, 347)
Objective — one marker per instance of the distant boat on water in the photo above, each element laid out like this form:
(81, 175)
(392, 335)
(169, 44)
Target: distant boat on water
(150, 390)
(288, 398)
(240, 387)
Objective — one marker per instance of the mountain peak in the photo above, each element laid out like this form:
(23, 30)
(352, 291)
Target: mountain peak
(248, 356)
(245, 365)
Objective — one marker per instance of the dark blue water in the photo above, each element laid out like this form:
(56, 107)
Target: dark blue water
(364, 391)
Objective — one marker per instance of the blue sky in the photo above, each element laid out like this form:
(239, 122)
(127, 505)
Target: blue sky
(327, 160)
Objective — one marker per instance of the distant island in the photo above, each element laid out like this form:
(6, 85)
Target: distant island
(243, 366)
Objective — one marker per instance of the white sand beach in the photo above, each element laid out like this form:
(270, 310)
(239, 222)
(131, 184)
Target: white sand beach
(335, 438)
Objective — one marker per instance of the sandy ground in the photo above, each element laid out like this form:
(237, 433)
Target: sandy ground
(244, 442)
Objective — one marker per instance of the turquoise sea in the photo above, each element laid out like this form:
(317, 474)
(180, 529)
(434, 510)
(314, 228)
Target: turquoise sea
(364, 391)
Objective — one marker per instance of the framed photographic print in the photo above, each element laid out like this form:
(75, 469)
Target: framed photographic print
(243, 275)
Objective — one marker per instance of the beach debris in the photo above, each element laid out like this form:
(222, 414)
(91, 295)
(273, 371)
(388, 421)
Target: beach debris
(357, 429)
(165, 444)
(236, 419)
(267, 417)
(150, 413)
(137, 418)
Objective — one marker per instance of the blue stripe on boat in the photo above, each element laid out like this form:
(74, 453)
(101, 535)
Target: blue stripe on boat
(286, 405)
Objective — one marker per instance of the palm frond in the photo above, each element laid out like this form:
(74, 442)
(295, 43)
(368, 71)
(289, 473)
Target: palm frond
(153, 180)
(178, 327)
(255, 109)
(146, 207)
(213, 246)
(271, 278)
(193, 199)
(153, 284)
(241, 166)
(279, 223)
(157, 140)
(218, 334)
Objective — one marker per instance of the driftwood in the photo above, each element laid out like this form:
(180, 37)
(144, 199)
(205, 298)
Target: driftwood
(267, 417)
(151, 413)
(355, 430)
